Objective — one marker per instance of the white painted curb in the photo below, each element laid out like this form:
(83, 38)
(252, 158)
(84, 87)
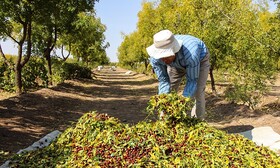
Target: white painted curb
(264, 136)
(43, 142)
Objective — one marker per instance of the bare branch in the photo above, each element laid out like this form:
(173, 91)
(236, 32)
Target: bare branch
(5, 59)
(65, 58)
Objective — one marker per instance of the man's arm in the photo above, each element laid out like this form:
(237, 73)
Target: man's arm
(162, 75)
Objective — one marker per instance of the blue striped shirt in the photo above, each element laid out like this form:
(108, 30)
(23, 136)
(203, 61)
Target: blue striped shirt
(193, 50)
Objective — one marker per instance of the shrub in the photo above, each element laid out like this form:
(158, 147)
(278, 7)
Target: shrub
(34, 73)
(65, 70)
(7, 78)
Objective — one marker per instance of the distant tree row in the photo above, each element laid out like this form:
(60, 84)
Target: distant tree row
(40, 26)
(243, 38)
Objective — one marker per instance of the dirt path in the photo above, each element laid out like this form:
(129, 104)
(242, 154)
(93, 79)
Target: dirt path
(26, 118)
(235, 118)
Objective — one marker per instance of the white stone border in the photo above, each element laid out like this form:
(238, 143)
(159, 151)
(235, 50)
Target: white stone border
(264, 136)
(43, 142)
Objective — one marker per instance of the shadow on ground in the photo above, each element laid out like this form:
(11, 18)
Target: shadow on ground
(26, 118)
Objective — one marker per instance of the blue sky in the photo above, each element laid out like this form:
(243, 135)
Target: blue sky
(119, 16)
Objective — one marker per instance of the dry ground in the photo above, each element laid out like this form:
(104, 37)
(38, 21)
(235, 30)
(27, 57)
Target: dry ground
(28, 117)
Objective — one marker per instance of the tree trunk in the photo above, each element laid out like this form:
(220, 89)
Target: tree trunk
(18, 79)
(49, 60)
(47, 55)
(18, 68)
(212, 80)
(47, 52)
(146, 65)
(20, 63)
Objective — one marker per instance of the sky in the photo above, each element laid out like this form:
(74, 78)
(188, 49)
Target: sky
(119, 16)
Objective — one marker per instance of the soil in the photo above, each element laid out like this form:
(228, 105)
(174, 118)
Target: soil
(120, 93)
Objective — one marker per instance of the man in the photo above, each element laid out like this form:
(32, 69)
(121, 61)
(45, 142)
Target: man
(175, 56)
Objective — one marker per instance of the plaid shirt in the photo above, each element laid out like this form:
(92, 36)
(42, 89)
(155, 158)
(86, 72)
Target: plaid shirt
(188, 58)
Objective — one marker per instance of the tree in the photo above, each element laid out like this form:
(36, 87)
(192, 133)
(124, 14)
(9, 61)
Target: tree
(18, 18)
(89, 49)
(145, 29)
(56, 19)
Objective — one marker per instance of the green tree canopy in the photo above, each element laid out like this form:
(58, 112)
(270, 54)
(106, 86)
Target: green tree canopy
(242, 37)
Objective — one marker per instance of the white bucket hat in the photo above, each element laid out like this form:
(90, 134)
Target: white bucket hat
(165, 45)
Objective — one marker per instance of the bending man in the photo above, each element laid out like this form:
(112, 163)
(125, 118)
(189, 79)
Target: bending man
(175, 56)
